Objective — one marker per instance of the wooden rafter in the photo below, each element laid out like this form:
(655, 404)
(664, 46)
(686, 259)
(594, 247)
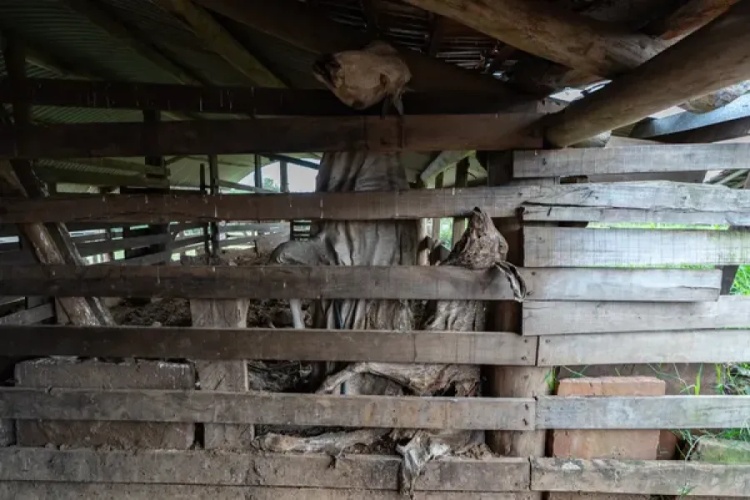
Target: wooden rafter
(719, 55)
(109, 23)
(688, 18)
(256, 101)
(215, 36)
(305, 28)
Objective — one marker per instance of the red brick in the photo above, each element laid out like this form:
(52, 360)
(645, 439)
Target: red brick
(621, 444)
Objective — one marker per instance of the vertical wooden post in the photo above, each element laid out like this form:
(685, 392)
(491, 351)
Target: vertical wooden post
(223, 375)
(284, 174)
(437, 221)
(153, 117)
(206, 230)
(213, 180)
(505, 381)
(462, 177)
(258, 173)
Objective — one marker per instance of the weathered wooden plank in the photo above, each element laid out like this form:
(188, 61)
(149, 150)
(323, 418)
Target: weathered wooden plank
(99, 247)
(575, 247)
(659, 285)
(560, 213)
(555, 318)
(647, 158)
(29, 316)
(678, 478)
(342, 282)
(265, 408)
(718, 202)
(648, 412)
(692, 346)
(75, 491)
(246, 469)
(407, 282)
(482, 348)
(300, 134)
(256, 101)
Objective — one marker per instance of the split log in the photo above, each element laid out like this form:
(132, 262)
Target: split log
(720, 49)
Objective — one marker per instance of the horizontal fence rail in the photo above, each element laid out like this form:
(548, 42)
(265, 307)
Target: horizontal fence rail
(359, 282)
(544, 412)
(171, 475)
(268, 408)
(292, 135)
(553, 318)
(630, 159)
(639, 201)
(573, 247)
(491, 348)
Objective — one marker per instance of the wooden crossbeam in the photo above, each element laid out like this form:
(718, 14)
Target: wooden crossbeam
(663, 81)
(256, 101)
(631, 159)
(687, 18)
(543, 318)
(342, 282)
(642, 201)
(268, 408)
(304, 134)
(491, 348)
(307, 471)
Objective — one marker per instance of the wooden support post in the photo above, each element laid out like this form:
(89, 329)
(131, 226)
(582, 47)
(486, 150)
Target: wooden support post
(506, 381)
(258, 173)
(223, 375)
(284, 174)
(729, 273)
(437, 221)
(51, 243)
(205, 227)
(153, 117)
(213, 179)
(462, 177)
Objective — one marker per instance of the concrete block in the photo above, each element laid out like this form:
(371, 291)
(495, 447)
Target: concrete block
(617, 444)
(89, 374)
(721, 451)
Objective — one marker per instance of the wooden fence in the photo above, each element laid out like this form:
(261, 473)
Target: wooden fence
(596, 296)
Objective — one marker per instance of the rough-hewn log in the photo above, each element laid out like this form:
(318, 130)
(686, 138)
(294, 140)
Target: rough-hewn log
(215, 36)
(225, 344)
(256, 101)
(688, 18)
(551, 32)
(415, 133)
(300, 25)
(720, 50)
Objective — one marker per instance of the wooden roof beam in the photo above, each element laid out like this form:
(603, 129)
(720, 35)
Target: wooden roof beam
(215, 36)
(302, 26)
(688, 18)
(719, 54)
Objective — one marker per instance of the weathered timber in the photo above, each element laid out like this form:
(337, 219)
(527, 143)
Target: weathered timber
(246, 469)
(358, 282)
(486, 348)
(598, 161)
(678, 478)
(255, 101)
(694, 124)
(692, 346)
(266, 408)
(99, 247)
(719, 202)
(75, 491)
(644, 412)
(301, 134)
(662, 81)
(557, 213)
(29, 316)
(574, 247)
(552, 32)
(688, 18)
(543, 318)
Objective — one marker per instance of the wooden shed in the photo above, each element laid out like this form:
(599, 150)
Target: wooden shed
(523, 286)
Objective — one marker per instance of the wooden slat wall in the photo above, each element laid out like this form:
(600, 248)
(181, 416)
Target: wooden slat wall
(631, 159)
(405, 282)
(554, 318)
(574, 247)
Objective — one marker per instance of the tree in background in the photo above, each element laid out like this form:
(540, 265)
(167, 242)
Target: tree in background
(270, 184)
